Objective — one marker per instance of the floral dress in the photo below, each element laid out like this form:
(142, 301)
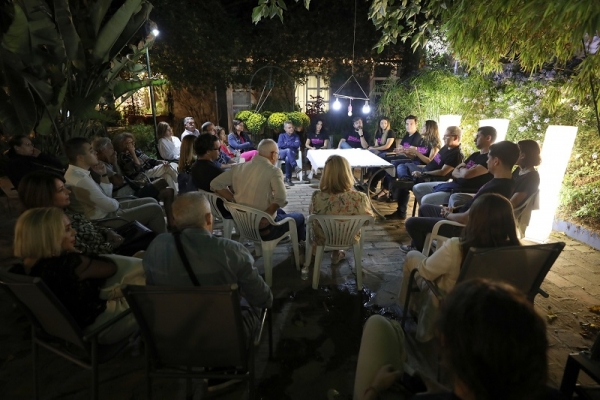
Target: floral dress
(346, 203)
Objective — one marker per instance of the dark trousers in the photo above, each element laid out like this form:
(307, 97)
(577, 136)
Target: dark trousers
(273, 232)
(419, 227)
(289, 155)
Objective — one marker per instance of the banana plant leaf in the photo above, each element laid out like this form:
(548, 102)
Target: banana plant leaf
(48, 118)
(110, 32)
(71, 39)
(16, 38)
(97, 13)
(24, 116)
(133, 26)
(122, 87)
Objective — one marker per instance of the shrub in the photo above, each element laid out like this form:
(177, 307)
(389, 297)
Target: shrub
(299, 119)
(243, 115)
(255, 123)
(144, 138)
(276, 121)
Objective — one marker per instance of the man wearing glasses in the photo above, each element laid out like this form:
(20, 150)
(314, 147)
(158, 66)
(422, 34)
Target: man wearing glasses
(259, 184)
(440, 168)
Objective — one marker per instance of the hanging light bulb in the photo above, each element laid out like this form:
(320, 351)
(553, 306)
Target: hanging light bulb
(350, 109)
(366, 108)
(336, 104)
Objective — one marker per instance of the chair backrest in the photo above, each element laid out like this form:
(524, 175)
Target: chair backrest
(190, 326)
(524, 267)
(42, 307)
(212, 199)
(340, 230)
(247, 220)
(523, 212)
(442, 231)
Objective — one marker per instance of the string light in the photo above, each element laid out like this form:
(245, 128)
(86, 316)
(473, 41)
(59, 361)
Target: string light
(336, 104)
(350, 108)
(366, 108)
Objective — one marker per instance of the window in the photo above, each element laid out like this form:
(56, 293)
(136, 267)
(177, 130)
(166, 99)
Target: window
(314, 86)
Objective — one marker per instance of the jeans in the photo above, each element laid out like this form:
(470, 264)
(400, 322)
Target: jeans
(345, 145)
(289, 155)
(274, 231)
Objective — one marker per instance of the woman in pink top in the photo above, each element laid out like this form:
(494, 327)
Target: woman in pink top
(247, 155)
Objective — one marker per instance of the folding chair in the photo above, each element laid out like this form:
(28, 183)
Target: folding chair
(588, 362)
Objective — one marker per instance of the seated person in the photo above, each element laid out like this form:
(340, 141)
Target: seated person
(223, 161)
(24, 158)
(471, 175)
(168, 144)
(94, 199)
(46, 189)
(214, 260)
(336, 196)
(317, 136)
(186, 160)
(190, 128)
(204, 170)
(288, 143)
(492, 342)
(138, 167)
(501, 158)
(239, 139)
(384, 139)
(75, 279)
(259, 184)
(222, 135)
(439, 168)
(526, 177)
(423, 154)
(355, 139)
(491, 224)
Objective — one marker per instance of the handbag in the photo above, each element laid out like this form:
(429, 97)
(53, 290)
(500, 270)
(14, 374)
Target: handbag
(186, 262)
(136, 237)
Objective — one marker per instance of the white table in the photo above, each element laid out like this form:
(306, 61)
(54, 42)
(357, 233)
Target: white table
(358, 159)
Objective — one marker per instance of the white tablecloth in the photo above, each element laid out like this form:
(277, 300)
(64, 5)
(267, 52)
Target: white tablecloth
(356, 157)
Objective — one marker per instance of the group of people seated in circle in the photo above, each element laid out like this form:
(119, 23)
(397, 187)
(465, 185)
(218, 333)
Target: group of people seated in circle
(84, 261)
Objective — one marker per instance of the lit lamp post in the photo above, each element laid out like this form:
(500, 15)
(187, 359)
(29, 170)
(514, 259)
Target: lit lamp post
(500, 124)
(154, 32)
(556, 152)
(446, 121)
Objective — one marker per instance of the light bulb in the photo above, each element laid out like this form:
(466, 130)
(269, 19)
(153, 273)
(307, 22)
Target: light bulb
(155, 32)
(350, 109)
(336, 104)
(366, 108)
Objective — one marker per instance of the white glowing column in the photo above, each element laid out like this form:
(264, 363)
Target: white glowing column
(556, 152)
(446, 121)
(500, 124)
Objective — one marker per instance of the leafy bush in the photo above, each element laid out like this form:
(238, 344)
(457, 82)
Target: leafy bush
(276, 121)
(144, 138)
(243, 115)
(255, 123)
(299, 118)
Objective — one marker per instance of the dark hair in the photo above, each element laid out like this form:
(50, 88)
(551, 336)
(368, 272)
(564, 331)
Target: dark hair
(505, 151)
(411, 117)
(431, 136)
(313, 126)
(37, 189)
(16, 141)
(204, 143)
(531, 149)
(379, 130)
(491, 224)
(488, 131)
(356, 119)
(74, 148)
(494, 341)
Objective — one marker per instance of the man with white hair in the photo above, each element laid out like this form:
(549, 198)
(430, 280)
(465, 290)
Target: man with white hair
(214, 260)
(190, 127)
(259, 184)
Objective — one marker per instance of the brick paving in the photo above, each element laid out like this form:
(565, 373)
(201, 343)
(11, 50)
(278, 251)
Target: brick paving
(573, 285)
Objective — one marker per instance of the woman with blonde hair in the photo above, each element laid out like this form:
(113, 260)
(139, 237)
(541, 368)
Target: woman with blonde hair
(168, 144)
(336, 196)
(86, 285)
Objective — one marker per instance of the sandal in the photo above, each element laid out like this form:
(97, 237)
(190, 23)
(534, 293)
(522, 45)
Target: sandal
(341, 256)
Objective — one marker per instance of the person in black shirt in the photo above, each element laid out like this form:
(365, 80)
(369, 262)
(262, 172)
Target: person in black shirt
(204, 170)
(502, 157)
(385, 137)
(357, 139)
(527, 179)
(439, 168)
(24, 158)
(317, 136)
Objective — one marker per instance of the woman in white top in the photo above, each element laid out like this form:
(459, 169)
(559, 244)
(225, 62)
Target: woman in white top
(168, 145)
(491, 224)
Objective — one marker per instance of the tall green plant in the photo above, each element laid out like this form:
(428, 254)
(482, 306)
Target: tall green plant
(62, 61)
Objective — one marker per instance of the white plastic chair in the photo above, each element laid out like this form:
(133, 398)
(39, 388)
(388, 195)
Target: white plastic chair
(228, 223)
(247, 221)
(340, 232)
(299, 175)
(435, 236)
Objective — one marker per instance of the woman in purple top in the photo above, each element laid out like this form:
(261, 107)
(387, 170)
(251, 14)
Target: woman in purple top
(422, 155)
(384, 138)
(317, 136)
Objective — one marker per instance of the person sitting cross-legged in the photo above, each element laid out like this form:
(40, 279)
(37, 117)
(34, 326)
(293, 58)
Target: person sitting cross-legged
(501, 158)
(288, 143)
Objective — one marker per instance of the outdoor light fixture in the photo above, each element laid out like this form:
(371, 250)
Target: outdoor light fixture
(155, 32)
(336, 104)
(366, 108)
(446, 121)
(500, 124)
(350, 109)
(556, 152)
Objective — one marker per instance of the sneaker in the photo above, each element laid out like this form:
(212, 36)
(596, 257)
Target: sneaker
(405, 248)
(397, 215)
(288, 182)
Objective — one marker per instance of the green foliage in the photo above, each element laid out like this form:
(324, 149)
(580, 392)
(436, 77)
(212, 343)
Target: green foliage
(255, 123)
(531, 107)
(299, 119)
(276, 121)
(243, 115)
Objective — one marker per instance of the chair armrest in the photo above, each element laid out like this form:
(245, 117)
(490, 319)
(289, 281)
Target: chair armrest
(434, 289)
(98, 330)
(259, 330)
(130, 197)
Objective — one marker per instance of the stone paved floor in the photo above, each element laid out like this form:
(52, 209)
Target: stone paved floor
(573, 285)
